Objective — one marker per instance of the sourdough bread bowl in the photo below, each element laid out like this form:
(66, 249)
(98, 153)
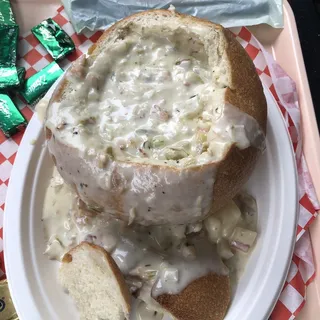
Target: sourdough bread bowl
(161, 122)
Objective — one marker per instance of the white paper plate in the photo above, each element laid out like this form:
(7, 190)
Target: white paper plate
(32, 277)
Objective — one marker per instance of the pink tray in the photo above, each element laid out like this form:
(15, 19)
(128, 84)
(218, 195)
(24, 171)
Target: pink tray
(285, 47)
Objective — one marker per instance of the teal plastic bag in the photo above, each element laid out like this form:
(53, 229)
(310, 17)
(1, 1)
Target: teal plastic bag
(98, 14)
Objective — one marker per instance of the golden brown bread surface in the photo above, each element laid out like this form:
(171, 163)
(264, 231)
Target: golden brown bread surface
(244, 91)
(205, 298)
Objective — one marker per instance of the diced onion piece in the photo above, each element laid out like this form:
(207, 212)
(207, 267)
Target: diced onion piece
(184, 63)
(238, 134)
(57, 182)
(174, 154)
(192, 77)
(241, 246)
(158, 141)
(191, 109)
(242, 239)
(171, 275)
(132, 216)
(218, 148)
(188, 252)
(204, 158)
(54, 249)
(213, 227)
(223, 249)
(229, 216)
(188, 161)
(200, 138)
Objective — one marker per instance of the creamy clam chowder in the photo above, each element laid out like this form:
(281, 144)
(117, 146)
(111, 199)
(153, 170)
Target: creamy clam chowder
(151, 98)
(153, 259)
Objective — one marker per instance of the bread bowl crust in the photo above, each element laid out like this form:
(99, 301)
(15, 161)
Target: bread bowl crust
(207, 298)
(245, 92)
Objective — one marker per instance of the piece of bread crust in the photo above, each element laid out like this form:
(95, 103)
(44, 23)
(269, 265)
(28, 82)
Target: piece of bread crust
(76, 282)
(244, 91)
(205, 298)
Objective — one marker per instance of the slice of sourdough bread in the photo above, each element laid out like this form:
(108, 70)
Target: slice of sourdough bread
(95, 283)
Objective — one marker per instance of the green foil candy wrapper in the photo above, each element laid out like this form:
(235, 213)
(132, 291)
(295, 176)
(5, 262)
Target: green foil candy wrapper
(53, 38)
(8, 76)
(11, 120)
(37, 85)
(19, 72)
(9, 32)
(21, 75)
